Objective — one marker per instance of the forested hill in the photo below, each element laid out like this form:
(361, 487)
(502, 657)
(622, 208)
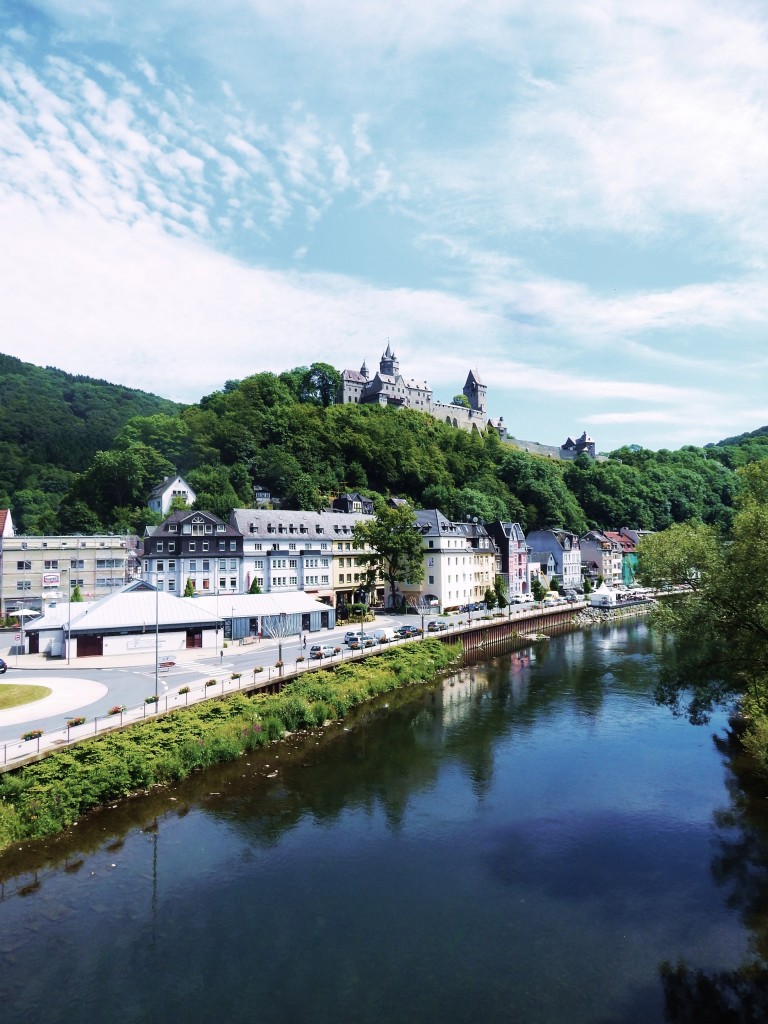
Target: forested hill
(51, 425)
(82, 455)
(751, 446)
(285, 432)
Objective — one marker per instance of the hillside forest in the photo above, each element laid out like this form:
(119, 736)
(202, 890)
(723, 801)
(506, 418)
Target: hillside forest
(80, 455)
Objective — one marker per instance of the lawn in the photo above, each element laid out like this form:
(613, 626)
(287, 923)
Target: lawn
(12, 695)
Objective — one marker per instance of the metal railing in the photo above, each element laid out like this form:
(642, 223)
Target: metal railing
(14, 754)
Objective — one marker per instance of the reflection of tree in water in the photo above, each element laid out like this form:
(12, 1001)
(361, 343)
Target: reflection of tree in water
(740, 865)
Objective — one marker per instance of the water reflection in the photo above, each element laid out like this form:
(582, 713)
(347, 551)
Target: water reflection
(536, 812)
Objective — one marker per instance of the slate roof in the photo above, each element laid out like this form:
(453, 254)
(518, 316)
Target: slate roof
(310, 526)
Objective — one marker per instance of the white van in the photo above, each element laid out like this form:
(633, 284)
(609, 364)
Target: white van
(384, 636)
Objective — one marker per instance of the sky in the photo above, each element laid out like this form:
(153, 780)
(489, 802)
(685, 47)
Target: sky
(569, 196)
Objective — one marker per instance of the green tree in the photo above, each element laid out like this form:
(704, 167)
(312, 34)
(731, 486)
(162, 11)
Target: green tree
(460, 400)
(500, 587)
(77, 595)
(320, 385)
(189, 590)
(490, 599)
(254, 587)
(538, 589)
(395, 547)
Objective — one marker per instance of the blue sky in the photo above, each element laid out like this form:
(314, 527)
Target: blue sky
(569, 196)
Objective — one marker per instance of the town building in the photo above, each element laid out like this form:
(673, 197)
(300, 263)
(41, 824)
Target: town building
(353, 502)
(35, 570)
(196, 546)
(602, 550)
(314, 552)
(565, 549)
(140, 619)
(172, 487)
(628, 553)
(460, 563)
(513, 551)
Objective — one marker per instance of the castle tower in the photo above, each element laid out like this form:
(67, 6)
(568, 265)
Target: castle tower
(389, 363)
(475, 391)
(364, 370)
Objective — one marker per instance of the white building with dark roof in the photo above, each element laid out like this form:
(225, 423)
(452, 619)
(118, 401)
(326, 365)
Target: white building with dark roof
(460, 562)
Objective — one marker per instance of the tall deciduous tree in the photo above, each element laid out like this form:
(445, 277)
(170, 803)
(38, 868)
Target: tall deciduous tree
(396, 553)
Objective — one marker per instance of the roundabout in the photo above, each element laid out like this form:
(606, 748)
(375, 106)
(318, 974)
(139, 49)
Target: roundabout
(65, 695)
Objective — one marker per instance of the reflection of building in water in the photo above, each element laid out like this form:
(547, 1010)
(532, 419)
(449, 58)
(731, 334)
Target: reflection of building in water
(458, 693)
(520, 675)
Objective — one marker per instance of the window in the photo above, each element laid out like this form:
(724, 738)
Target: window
(233, 583)
(192, 565)
(171, 565)
(23, 565)
(206, 545)
(432, 580)
(171, 584)
(233, 563)
(159, 546)
(324, 579)
(222, 545)
(293, 581)
(233, 545)
(23, 584)
(292, 547)
(78, 563)
(51, 563)
(193, 545)
(292, 563)
(161, 565)
(206, 565)
(259, 563)
(206, 584)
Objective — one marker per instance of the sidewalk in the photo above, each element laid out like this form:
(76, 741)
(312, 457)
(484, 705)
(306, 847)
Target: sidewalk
(141, 659)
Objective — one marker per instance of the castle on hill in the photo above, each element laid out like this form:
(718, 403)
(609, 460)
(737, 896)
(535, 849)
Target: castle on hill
(389, 387)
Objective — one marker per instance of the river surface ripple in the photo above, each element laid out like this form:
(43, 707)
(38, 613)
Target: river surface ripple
(526, 842)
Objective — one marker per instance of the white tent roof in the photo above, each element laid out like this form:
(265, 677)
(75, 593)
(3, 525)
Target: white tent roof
(252, 606)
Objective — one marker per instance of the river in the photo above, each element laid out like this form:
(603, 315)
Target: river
(527, 842)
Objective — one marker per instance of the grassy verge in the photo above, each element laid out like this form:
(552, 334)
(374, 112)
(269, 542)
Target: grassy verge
(13, 695)
(44, 798)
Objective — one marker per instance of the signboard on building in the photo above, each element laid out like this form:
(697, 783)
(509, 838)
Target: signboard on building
(51, 579)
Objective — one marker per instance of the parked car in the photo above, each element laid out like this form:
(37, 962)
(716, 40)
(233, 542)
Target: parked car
(321, 651)
(404, 632)
(3, 666)
(436, 626)
(352, 635)
(362, 640)
(384, 636)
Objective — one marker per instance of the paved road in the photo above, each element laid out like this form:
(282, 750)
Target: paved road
(90, 687)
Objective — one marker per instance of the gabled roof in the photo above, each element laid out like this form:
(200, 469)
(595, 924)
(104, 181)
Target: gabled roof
(354, 375)
(184, 515)
(6, 523)
(628, 546)
(473, 375)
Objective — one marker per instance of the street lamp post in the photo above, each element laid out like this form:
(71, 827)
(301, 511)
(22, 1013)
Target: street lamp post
(69, 607)
(157, 642)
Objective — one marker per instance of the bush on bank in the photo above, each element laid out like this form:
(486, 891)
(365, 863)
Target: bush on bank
(44, 798)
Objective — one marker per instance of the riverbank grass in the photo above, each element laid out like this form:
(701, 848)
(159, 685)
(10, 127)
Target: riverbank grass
(44, 798)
